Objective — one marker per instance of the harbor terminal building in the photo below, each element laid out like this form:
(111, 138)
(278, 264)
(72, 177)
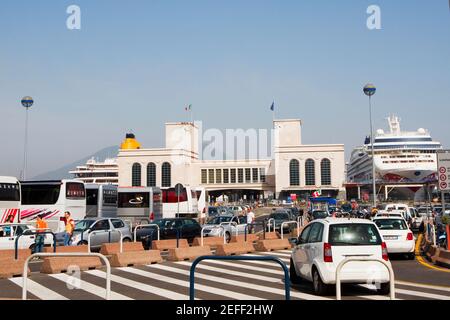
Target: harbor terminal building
(290, 166)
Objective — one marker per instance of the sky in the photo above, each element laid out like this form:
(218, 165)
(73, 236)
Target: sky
(136, 64)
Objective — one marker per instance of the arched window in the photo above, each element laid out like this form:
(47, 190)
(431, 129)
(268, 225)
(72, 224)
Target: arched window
(294, 172)
(310, 172)
(325, 172)
(151, 175)
(166, 175)
(136, 175)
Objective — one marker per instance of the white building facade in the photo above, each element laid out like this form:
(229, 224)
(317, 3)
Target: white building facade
(293, 168)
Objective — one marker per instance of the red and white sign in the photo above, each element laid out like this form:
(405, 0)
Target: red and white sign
(443, 166)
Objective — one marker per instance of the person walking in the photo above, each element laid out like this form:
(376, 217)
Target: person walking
(250, 220)
(70, 226)
(41, 226)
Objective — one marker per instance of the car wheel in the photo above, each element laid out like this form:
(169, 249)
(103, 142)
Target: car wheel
(385, 289)
(320, 288)
(227, 237)
(32, 247)
(127, 240)
(295, 279)
(82, 243)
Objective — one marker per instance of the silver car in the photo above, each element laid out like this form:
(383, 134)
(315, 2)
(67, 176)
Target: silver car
(229, 223)
(103, 230)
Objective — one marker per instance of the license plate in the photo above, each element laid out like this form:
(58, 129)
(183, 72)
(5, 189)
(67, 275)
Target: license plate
(390, 237)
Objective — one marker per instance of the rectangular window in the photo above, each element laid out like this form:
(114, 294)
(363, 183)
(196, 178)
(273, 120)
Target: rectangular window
(110, 197)
(218, 175)
(211, 176)
(204, 176)
(240, 175)
(233, 175)
(255, 175)
(248, 175)
(9, 192)
(262, 174)
(38, 194)
(226, 178)
(75, 191)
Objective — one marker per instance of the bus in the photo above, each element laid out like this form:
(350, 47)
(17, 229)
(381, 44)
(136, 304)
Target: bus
(101, 201)
(52, 199)
(187, 206)
(9, 199)
(139, 204)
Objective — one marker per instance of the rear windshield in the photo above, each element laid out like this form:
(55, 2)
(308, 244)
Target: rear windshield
(279, 216)
(219, 220)
(391, 224)
(354, 234)
(320, 214)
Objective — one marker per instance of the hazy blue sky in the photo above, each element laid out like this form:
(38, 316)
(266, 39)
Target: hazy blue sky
(136, 64)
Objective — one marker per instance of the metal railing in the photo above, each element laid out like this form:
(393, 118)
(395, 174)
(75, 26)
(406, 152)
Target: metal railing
(31, 233)
(109, 239)
(140, 226)
(302, 219)
(223, 231)
(351, 259)
(84, 254)
(288, 223)
(287, 282)
(269, 224)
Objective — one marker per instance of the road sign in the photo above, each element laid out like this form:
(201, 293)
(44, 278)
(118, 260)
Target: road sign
(443, 162)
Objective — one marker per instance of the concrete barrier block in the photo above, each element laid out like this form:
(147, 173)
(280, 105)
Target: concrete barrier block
(271, 245)
(207, 241)
(135, 258)
(10, 254)
(53, 265)
(442, 257)
(241, 238)
(163, 245)
(67, 249)
(269, 236)
(189, 253)
(108, 249)
(235, 248)
(11, 268)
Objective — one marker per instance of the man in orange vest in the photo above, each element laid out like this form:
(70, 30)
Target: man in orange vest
(41, 225)
(70, 226)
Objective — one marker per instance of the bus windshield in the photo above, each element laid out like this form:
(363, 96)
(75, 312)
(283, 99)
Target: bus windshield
(9, 192)
(47, 194)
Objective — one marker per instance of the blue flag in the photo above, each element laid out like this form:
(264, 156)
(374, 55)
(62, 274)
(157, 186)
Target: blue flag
(272, 107)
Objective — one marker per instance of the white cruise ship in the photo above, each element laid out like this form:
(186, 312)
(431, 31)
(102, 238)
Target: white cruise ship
(106, 172)
(400, 157)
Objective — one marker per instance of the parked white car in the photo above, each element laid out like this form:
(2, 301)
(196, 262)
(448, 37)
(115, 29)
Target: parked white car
(231, 224)
(398, 237)
(324, 244)
(10, 232)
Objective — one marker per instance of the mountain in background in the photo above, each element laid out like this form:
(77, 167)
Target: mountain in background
(63, 172)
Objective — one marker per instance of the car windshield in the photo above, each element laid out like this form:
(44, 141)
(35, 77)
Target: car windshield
(83, 225)
(279, 216)
(354, 234)
(219, 220)
(168, 223)
(391, 224)
(320, 214)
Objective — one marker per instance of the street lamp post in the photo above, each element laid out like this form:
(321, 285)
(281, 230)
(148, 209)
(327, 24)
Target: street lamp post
(27, 102)
(369, 90)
